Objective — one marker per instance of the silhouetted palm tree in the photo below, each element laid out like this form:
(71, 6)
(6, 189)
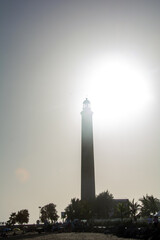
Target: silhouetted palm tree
(134, 207)
(122, 210)
(149, 205)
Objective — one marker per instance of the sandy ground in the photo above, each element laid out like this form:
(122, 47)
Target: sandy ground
(70, 236)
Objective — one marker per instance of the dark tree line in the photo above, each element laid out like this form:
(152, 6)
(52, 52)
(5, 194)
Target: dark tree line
(102, 207)
(105, 206)
(98, 208)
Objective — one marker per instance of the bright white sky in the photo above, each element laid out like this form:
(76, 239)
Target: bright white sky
(54, 54)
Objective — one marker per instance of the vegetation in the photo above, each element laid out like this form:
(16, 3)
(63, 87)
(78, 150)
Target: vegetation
(149, 205)
(79, 209)
(104, 214)
(21, 217)
(49, 213)
(134, 208)
(99, 208)
(104, 206)
(122, 210)
(12, 219)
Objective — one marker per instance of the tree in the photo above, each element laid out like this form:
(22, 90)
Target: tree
(12, 219)
(49, 213)
(87, 209)
(22, 216)
(134, 209)
(79, 209)
(122, 210)
(149, 205)
(103, 204)
(73, 209)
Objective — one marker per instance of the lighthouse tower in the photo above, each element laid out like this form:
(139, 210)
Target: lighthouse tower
(87, 154)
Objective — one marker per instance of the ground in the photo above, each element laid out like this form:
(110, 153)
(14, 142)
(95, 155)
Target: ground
(67, 236)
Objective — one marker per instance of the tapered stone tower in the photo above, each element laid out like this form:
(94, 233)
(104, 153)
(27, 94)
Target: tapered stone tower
(87, 154)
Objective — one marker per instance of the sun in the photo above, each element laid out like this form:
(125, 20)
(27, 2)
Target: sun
(119, 90)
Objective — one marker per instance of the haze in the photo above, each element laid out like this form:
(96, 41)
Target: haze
(49, 51)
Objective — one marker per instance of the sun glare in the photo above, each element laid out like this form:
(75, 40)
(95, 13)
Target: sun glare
(119, 91)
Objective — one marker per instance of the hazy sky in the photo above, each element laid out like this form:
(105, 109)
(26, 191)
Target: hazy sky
(54, 54)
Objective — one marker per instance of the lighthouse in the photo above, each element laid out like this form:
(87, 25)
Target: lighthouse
(87, 154)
